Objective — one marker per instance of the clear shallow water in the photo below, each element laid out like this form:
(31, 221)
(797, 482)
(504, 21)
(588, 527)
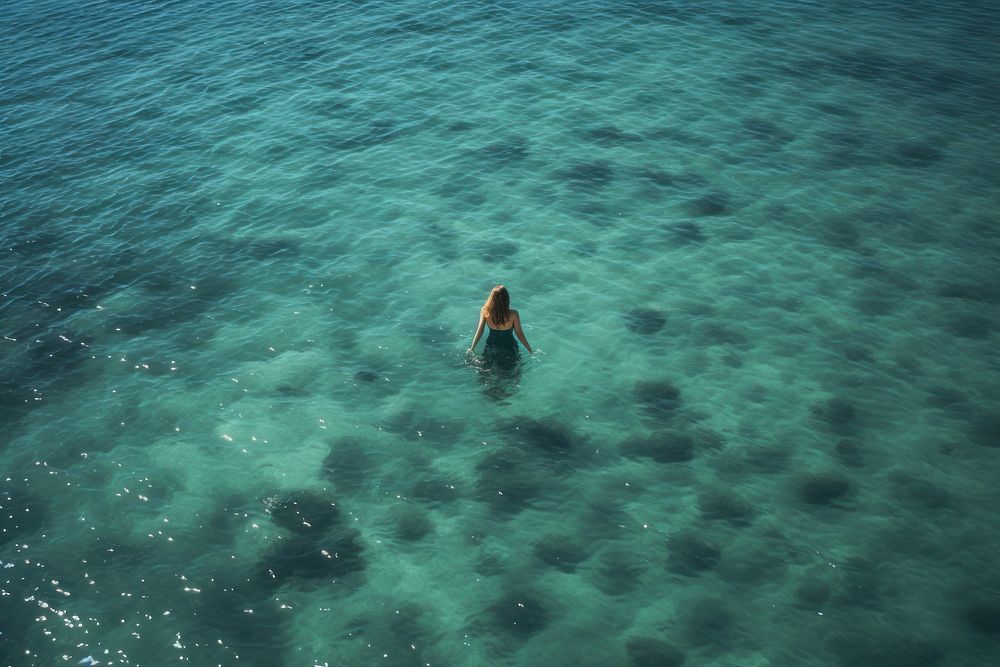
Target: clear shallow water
(243, 250)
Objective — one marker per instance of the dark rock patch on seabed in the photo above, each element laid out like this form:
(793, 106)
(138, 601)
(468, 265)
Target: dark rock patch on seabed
(498, 251)
(323, 545)
(983, 292)
(708, 622)
(610, 135)
(588, 175)
(916, 154)
(435, 490)
(347, 464)
(518, 613)
(645, 320)
(838, 413)
(985, 430)
(690, 555)
(267, 248)
(545, 435)
(821, 488)
(725, 505)
(513, 149)
(971, 325)
(849, 453)
(710, 204)
(303, 512)
(561, 552)
(378, 132)
(685, 233)
(856, 649)
(618, 572)
(666, 447)
(411, 523)
(510, 479)
(768, 131)
(20, 514)
(658, 398)
(919, 493)
(650, 652)
(984, 618)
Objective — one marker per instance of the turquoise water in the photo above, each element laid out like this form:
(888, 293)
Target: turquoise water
(244, 245)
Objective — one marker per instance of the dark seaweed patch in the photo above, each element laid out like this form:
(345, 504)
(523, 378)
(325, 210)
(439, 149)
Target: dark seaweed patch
(335, 554)
(684, 233)
(714, 333)
(708, 621)
(984, 618)
(435, 490)
(609, 135)
(347, 464)
(462, 126)
(767, 131)
(920, 493)
(836, 412)
(498, 251)
(412, 523)
(710, 204)
(985, 430)
(645, 320)
(822, 488)
(322, 546)
(518, 613)
(618, 572)
(588, 175)
(548, 436)
(304, 512)
(884, 650)
(649, 652)
(971, 325)
(663, 448)
(690, 555)
(812, 592)
(378, 132)
(666, 179)
(658, 398)
(561, 552)
(983, 292)
(55, 354)
(510, 480)
(915, 154)
(725, 505)
(849, 453)
(514, 149)
(20, 514)
(267, 248)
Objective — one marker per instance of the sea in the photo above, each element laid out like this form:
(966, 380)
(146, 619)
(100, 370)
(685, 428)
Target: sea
(754, 247)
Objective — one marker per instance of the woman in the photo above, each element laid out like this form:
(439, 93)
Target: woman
(504, 324)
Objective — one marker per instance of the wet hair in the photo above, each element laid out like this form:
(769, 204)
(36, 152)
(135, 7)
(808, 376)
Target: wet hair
(496, 310)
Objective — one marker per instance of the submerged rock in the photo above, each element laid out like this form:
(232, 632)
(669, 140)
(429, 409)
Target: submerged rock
(644, 320)
(663, 448)
(658, 398)
(561, 552)
(822, 488)
(690, 555)
(519, 613)
(649, 652)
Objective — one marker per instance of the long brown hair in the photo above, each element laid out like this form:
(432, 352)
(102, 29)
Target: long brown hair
(496, 310)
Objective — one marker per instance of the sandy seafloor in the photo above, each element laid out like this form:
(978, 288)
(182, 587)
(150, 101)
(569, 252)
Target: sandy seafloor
(243, 248)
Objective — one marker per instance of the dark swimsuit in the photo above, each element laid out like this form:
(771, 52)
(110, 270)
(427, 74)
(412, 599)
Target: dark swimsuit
(501, 347)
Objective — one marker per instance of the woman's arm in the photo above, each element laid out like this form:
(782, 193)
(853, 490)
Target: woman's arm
(520, 333)
(479, 332)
